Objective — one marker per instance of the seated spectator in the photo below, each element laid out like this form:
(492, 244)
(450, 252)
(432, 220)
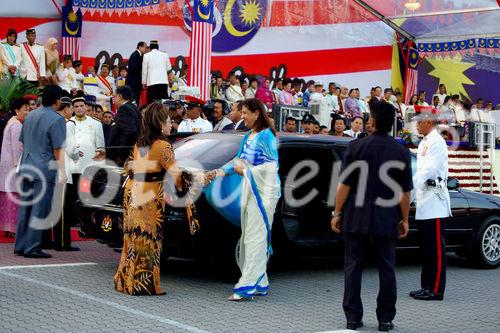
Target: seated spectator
(194, 122)
(356, 127)
(339, 127)
(220, 121)
(278, 87)
(435, 102)
(290, 125)
(324, 130)
(308, 123)
(352, 107)
(286, 97)
(421, 99)
(316, 127)
(307, 94)
(236, 116)
(264, 94)
(478, 105)
(297, 94)
(413, 99)
(251, 92)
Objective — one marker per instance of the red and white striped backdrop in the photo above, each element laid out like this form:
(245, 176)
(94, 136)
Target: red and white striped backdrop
(331, 40)
(200, 54)
(411, 84)
(71, 46)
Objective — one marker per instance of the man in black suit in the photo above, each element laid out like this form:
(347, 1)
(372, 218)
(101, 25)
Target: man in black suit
(236, 117)
(374, 195)
(376, 98)
(134, 76)
(126, 128)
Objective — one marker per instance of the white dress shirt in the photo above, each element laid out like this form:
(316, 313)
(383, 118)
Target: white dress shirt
(352, 134)
(71, 151)
(66, 78)
(155, 67)
(88, 136)
(199, 125)
(234, 94)
(432, 162)
(7, 58)
(28, 69)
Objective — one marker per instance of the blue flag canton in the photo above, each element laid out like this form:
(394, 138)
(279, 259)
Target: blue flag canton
(71, 22)
(413, 60)
(203, 11)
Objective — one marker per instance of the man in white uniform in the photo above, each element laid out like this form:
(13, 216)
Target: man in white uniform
(66, 75)
(33, 59)
(105, 87)
(194, 122)
(233, 92)
(433, 207)
(155, 67)
(10, 54)
(325, 110)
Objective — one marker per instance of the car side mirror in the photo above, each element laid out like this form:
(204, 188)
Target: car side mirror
(453, 184)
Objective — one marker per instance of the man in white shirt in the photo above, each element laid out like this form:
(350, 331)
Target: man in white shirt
(66, 75)
(356, 127)
(432, 207)
(33, 59)
(10, 54)
(441, 93)
(325, 110)
(105, 87)
(220, 120)
(155, 67)
(332, 98)
(233, 92)
(79, 77)
(194, 122)
(421, 99)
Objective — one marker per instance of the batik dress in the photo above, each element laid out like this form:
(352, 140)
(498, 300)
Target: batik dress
(261, 191)
(139, 269)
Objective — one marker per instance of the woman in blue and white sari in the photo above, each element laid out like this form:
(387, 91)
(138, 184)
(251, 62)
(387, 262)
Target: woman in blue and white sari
(257, 163)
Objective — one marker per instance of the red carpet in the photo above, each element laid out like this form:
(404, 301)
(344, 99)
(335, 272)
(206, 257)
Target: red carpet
(74, 237)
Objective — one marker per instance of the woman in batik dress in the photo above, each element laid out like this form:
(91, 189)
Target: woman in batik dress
(152, 157)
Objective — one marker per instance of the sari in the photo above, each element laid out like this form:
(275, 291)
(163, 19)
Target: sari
(260, 192)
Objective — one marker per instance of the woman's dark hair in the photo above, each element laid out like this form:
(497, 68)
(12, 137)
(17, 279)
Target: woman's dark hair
(155, 116)
(18, 103)
(287, 81)
(11, 32)
(411, 98)
(51, 94)
(446, 99)
(263, 121)
(384, 114)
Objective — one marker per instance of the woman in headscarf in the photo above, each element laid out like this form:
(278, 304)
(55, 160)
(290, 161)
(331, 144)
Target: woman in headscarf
(51, 59)
(264, 94)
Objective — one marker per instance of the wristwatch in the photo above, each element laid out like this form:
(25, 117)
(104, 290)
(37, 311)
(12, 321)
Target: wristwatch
(335, 214)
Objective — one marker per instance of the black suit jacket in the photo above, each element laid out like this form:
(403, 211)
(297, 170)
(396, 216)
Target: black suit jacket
(124, 132)
(373, 101)
(134, 75)
(231, 127)
(371, 218)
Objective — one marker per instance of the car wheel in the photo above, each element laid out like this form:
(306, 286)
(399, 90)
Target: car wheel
(486, 248)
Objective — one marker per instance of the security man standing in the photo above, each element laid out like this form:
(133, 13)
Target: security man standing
(433, 207)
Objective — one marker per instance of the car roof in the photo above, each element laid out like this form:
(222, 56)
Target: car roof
(282, 137)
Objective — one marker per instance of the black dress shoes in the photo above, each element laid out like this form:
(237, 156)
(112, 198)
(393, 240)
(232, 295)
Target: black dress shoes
(385, 327)
(38, 255)
(354, 325)
(416, 292)
(428, 295)
(18, 253)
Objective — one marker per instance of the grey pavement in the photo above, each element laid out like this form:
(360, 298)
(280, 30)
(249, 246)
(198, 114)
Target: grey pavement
(75, 294)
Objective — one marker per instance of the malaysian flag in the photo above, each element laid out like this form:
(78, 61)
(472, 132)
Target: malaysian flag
(71, 31)
(411, 75)
(201, 46)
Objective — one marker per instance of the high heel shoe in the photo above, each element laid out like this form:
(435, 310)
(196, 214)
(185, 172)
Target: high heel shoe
(238, 298)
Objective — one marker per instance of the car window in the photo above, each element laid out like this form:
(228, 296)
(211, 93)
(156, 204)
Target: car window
(211, 153)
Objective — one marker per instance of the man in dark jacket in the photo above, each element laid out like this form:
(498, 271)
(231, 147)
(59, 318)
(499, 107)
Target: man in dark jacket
(126, 129)
(134, 75)
(374, 196)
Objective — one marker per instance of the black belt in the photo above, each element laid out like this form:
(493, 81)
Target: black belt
(148, 177)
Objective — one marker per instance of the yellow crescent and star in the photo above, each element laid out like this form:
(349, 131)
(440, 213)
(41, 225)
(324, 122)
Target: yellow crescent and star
(250, 13)
(204, 3)
(72, 17)
(451, 72)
